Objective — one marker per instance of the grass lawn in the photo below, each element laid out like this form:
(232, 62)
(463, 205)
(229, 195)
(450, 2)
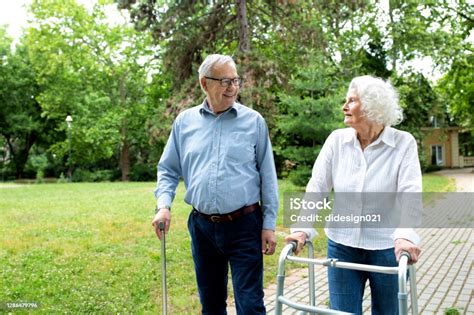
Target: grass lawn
(90, 248)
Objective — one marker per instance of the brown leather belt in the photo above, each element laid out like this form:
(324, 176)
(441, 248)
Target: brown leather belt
(231, 216)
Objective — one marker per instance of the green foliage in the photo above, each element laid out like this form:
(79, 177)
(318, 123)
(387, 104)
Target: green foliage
(39, 163)
(97, 73)
(308, 114)
(143, 172)
(82, 175)
(457, 90)
(421, 104)
(21, 123)
(300, 175)
(124, 86)
(451, 311)
(430, 28)
(62, 179)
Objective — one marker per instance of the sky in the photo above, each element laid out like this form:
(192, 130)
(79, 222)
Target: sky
(14, 13)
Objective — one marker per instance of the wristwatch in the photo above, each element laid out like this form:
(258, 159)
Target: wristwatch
(164, 207)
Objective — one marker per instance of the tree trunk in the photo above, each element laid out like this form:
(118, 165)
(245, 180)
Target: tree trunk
(19, 153)
(125, 148)
(391, 7)
(125, 159)
(244, 41)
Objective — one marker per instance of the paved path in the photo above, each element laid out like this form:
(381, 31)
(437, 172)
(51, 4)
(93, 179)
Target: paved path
(444, 272)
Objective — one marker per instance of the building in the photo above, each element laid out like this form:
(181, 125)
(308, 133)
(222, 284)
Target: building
(441, 146)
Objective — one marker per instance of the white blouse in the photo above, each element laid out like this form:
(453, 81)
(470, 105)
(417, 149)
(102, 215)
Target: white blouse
(389, 164)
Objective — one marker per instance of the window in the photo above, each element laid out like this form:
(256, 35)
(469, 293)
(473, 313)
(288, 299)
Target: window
(437, 155)
(434, 121)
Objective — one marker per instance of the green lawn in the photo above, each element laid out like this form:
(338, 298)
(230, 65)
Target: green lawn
(436, 183)
(89, 247)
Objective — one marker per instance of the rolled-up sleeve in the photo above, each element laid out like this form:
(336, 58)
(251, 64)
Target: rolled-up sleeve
(169, 169)
(268, 177)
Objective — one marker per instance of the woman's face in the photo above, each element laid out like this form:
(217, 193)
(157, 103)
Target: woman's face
(353, 114)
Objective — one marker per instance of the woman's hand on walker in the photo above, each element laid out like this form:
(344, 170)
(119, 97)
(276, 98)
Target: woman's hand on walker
(300, 237)
(403, 245)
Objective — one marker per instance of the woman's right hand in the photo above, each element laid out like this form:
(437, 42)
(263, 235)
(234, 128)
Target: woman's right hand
(299, 237)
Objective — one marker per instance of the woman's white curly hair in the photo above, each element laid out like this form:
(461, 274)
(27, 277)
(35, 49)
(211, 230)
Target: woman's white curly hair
(379, 100)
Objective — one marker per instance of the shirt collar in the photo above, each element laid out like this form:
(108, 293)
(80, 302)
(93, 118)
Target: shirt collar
(349, 136)
(387, 136)
(204, 108)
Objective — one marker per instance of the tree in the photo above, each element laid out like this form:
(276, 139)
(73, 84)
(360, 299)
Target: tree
(435, 29)
(351, 37)
(457, 89)
(309, 113)
(21, 123)
(96, 72)
(187, 31)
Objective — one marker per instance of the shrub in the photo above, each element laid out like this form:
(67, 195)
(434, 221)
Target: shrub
(143, 172)
(6, 173)
(62, 179)
(451, 311)
(432, 168)
(300, 176)
(81, 175)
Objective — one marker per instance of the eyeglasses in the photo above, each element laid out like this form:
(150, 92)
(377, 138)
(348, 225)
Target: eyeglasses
(227, 82)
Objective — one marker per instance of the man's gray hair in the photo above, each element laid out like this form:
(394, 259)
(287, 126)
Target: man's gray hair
(205, 70)
(379, 100)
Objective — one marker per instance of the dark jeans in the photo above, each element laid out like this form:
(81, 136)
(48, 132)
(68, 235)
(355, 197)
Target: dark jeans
(346, 287)
(214, 247)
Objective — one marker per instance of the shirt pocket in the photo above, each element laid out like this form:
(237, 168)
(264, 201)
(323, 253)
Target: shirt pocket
(240, 148)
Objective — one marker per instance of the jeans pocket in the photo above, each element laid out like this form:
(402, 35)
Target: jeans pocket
(253, 222)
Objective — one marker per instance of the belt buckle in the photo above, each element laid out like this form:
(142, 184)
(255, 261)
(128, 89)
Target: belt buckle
(215, 218)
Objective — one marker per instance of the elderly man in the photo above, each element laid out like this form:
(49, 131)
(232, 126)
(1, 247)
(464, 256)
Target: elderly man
(222, 150)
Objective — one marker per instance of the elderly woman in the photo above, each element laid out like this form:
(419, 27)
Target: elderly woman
(369, 156)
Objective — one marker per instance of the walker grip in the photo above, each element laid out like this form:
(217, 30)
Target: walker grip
(407, 254)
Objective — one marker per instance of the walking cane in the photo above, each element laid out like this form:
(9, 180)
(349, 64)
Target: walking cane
(161, 226)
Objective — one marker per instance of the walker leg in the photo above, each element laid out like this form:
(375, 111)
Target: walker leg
(413, 291)
(402, 284)
(312, 290)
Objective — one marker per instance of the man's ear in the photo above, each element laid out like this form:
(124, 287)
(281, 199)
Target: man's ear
(204, 84)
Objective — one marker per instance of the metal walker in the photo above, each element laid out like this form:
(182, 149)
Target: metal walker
(401, 270)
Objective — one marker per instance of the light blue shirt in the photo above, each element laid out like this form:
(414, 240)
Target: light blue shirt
(226, 161)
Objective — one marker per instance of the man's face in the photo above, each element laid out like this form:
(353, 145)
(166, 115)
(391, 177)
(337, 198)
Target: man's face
(219, 97)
